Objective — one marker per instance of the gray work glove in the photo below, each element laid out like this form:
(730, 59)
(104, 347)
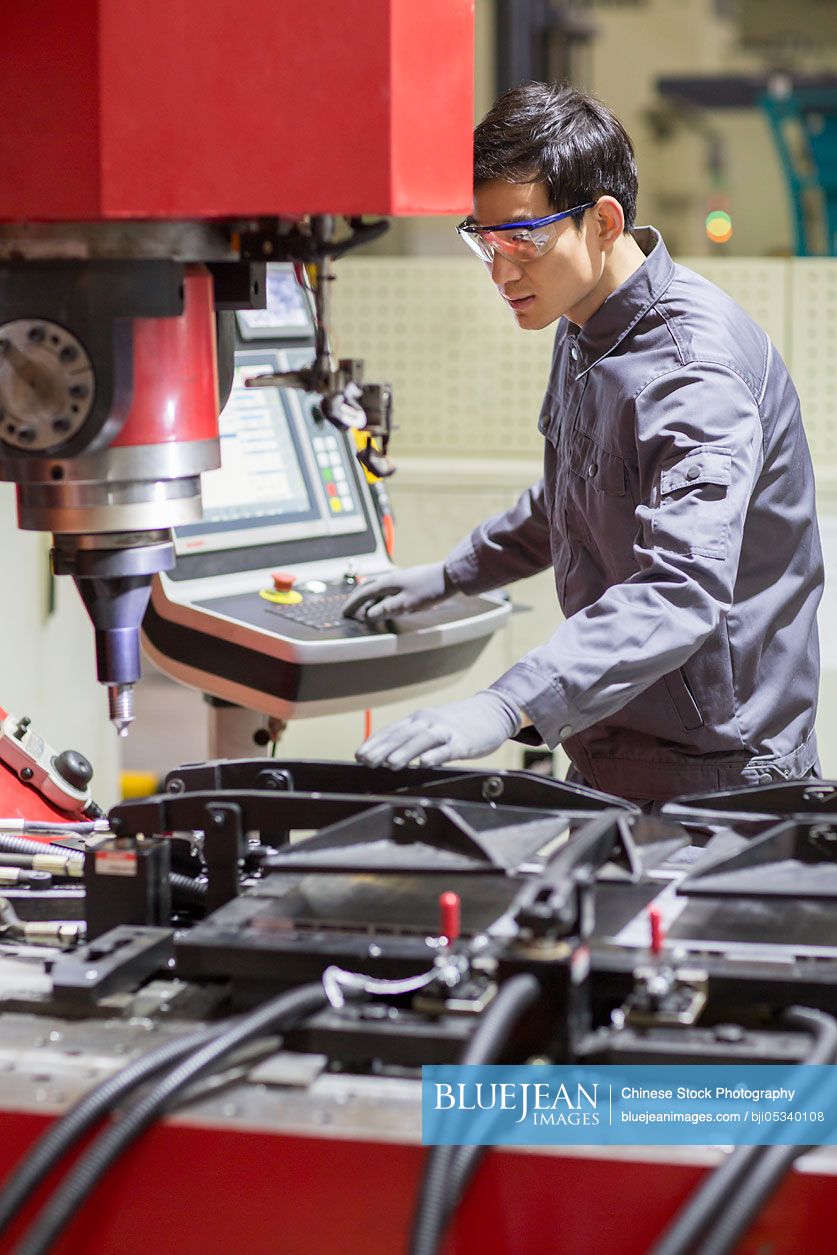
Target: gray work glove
(434, 736)
(398, 592)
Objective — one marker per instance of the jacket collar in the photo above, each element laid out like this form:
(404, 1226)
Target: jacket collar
(622, 310)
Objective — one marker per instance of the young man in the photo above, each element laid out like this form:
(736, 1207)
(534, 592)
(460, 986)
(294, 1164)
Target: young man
(677, 504)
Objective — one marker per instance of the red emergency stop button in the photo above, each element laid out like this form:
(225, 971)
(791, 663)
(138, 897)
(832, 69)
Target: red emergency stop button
(283, 581)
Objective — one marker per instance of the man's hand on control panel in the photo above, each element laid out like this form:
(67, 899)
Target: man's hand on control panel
(399, 591)
(431, 737)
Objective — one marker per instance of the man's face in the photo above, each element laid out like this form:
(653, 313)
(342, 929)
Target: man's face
(556, 283)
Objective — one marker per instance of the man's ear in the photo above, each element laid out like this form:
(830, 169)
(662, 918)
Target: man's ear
(609, 218)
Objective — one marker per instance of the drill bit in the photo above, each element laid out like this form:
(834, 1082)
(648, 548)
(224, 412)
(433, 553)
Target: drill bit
(121, 707)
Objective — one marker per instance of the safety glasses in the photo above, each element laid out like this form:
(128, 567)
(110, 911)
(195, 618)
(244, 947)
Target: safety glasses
(521, 241)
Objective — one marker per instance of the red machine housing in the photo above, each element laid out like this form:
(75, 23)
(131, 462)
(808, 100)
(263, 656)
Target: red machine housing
(258, 1193)
(208, 109)
(175, 395)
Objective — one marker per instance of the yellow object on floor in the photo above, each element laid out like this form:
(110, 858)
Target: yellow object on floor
(137, 783)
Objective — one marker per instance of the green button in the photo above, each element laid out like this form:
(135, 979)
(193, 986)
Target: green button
(328, 475)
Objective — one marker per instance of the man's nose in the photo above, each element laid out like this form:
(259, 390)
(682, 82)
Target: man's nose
(504, 270)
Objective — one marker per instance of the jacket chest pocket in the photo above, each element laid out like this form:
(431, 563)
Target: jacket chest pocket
(597, 496)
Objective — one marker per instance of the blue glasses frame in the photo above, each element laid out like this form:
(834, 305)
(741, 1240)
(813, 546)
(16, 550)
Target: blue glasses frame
(522, 249)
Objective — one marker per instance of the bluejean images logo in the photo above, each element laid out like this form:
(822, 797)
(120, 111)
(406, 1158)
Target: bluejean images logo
(630, 1105)
(540, 1102)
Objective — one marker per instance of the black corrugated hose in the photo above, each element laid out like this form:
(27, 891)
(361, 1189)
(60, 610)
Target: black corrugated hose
(744, 1206)
(277, 1014)
(48, 1151)
(14, 844)
(726, 1204)
(464, 1163)
(435, 1202)
(186, 889)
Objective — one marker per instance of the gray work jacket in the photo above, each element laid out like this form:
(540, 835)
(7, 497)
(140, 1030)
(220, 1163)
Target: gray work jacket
(677, 511)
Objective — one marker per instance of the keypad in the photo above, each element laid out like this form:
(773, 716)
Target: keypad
(319, 611)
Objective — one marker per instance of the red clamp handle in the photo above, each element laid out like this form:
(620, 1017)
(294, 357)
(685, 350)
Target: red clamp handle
(450, 915)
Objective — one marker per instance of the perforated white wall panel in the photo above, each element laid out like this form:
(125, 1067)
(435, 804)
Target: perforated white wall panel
(468, 382)
(812, 322)
(759, 286)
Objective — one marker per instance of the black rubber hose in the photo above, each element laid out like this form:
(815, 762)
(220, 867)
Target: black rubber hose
(464, 1163)
(187, 891)
(51, 1147)
(771, 1169)
(496, 1024)
(99, 1158)
(725, 1182)
(693, 1220)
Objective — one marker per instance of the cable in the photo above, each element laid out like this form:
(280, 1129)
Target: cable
(187, 890)
(765, 1178)
(725, 1182)
(14, 844)
(68, 827)
(51, 1147)
(692, 1221)
(71, 827)
(435, 1204)
(464, 1163)
(280, 1012)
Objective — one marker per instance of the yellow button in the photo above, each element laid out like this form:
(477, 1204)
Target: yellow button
(285, 598)
(335, 505)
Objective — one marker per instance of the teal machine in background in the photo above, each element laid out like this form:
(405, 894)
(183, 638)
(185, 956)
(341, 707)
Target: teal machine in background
(802, 114)
(807, 114)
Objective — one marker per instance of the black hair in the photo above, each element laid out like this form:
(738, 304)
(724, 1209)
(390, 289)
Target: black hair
(555, 134)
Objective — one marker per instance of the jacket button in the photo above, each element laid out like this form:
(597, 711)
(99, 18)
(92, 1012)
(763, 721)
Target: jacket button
(565, 732)
(693, 472)
(591, 470)
(574, 353)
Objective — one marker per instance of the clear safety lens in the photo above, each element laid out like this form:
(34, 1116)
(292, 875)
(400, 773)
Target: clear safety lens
(519, 243)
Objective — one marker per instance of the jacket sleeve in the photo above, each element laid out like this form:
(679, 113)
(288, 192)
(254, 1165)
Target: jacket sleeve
(700, 452)
(504, 548)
